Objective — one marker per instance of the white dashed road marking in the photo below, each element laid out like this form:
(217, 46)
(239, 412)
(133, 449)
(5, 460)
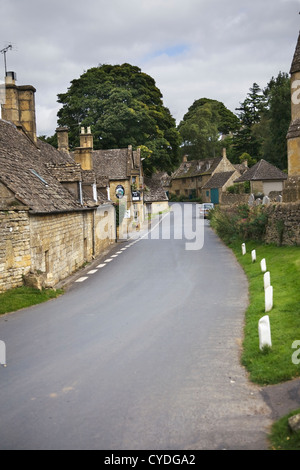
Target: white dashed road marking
(81, 279)
(93, 271)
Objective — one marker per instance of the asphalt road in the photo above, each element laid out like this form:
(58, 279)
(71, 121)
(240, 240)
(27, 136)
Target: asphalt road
(143, 354)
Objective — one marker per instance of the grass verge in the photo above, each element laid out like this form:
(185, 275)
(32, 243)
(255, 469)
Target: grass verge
(22, 297)
(275, 364)
(282, 437)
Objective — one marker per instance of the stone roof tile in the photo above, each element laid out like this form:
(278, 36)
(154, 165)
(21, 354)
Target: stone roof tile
(295, 67)
(261, 171)
(23, 169)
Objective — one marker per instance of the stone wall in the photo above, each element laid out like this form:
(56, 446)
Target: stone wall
(15, 256)
(291, 190)
(62, 243)
(228, 199)
(283, 226)
(45, 249)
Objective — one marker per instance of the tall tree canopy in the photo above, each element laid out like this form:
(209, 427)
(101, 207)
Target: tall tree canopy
(123, 107)
(203, 125)
(265, 116)
(277, 116)
(249, 113)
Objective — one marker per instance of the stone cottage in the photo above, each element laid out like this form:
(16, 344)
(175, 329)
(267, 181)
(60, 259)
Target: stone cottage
(264, 178)
(206, 178)
(52, 219)
(155, 196)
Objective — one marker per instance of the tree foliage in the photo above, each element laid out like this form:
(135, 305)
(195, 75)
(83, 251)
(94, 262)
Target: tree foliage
(203, 125)
(123, 106)
(277, 117)
(264, 117)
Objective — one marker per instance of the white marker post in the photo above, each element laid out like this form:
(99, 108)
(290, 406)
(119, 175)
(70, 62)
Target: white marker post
(267, 280)
(268, 299)
(253, 255)
(2, 354)
(264, 332)
(243, 248)
(263, 265)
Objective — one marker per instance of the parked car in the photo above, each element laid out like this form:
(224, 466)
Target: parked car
(205, 208)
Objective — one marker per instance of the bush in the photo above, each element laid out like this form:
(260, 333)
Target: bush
(224, 223)
(253, 227)
(240, 222)
(239, 188)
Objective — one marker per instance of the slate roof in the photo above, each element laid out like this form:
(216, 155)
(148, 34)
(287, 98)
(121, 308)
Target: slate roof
(295, 67)
(26, 170)
(194, 168)
(110, 164)
(218, 180)
(262, 171)
(114, 164)
(155, 191)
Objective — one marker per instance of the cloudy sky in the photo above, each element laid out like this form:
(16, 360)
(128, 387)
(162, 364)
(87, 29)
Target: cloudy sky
(192, 48)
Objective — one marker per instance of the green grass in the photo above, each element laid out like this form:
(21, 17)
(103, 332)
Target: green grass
(282, 437)
(22, 297)
(273, 365)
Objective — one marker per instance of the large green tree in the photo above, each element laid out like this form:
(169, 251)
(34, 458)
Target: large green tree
(249, 113)
(123, 106)
(277, 116)
(265, 117)
(203, 125)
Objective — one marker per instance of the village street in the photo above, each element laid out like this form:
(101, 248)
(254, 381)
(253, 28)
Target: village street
(142, 354)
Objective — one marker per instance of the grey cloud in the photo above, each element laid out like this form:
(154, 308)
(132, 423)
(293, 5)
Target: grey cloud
(226, 45)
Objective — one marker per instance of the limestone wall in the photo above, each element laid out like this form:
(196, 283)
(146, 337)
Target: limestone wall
(62, 243)
(51, 246)
(283, 226)
(228, 199)
(15, 256)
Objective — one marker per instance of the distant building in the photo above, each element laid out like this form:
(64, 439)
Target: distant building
(205, 179)
(264, 178)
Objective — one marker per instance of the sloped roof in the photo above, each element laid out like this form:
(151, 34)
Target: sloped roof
(218, 180)
(295, 67)
(24, 170)
(240, 167)
(111, 164)
(262, 171)
(194, 168)
(155, 191)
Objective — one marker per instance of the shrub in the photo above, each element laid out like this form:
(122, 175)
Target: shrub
(240, 222)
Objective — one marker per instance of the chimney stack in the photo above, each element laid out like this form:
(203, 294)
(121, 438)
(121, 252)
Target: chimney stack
(19, 107)
(63, 138)
(83, 154)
